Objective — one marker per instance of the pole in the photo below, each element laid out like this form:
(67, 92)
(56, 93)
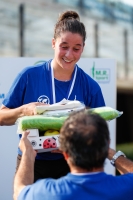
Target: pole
(126, 52)
(81, 5)
(21, 30)
(96, 40)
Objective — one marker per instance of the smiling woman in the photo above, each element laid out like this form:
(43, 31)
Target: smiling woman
(45, 83)
(68, 43)
(68, 48)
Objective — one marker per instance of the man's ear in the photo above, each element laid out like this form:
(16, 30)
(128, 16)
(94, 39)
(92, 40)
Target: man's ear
(53, 43)
(66, 156)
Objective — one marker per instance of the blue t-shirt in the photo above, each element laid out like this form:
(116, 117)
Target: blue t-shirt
(100, 186)
(34, 84)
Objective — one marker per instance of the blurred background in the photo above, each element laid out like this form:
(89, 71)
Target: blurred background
(26, 30)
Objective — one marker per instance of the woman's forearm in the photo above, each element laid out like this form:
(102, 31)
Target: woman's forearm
(9, 116)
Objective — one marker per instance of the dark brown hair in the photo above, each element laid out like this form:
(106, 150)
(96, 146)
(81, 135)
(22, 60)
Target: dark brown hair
(69, 21)
(85, 138)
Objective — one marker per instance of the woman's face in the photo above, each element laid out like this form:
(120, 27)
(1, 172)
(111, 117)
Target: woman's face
(68, 49)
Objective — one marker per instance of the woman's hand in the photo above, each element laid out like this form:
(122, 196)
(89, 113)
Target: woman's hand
(30, 109)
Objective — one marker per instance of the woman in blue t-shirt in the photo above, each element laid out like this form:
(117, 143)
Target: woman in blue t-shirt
(49, 83)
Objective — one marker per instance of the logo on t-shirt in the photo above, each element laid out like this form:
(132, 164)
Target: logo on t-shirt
(43, 99)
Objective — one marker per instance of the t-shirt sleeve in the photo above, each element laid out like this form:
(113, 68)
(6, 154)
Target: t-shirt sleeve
(14, 97)
(94, 94)
(97, 100)
(41, 189)
(24, 193)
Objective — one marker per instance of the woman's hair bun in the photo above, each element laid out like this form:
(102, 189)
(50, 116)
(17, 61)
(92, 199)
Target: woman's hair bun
(69, 21)
(69, 15)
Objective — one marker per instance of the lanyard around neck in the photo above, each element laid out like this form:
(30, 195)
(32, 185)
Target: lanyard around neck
(71, 85)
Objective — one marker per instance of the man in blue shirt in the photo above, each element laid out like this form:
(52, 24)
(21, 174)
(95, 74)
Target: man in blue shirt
(84, 142)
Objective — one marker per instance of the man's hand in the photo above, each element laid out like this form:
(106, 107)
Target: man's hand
(25, 144)
(25, 173)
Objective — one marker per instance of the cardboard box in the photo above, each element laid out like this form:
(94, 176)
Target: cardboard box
(43, 143)
(49, 143)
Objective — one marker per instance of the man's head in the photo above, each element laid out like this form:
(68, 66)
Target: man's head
(85, 139)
